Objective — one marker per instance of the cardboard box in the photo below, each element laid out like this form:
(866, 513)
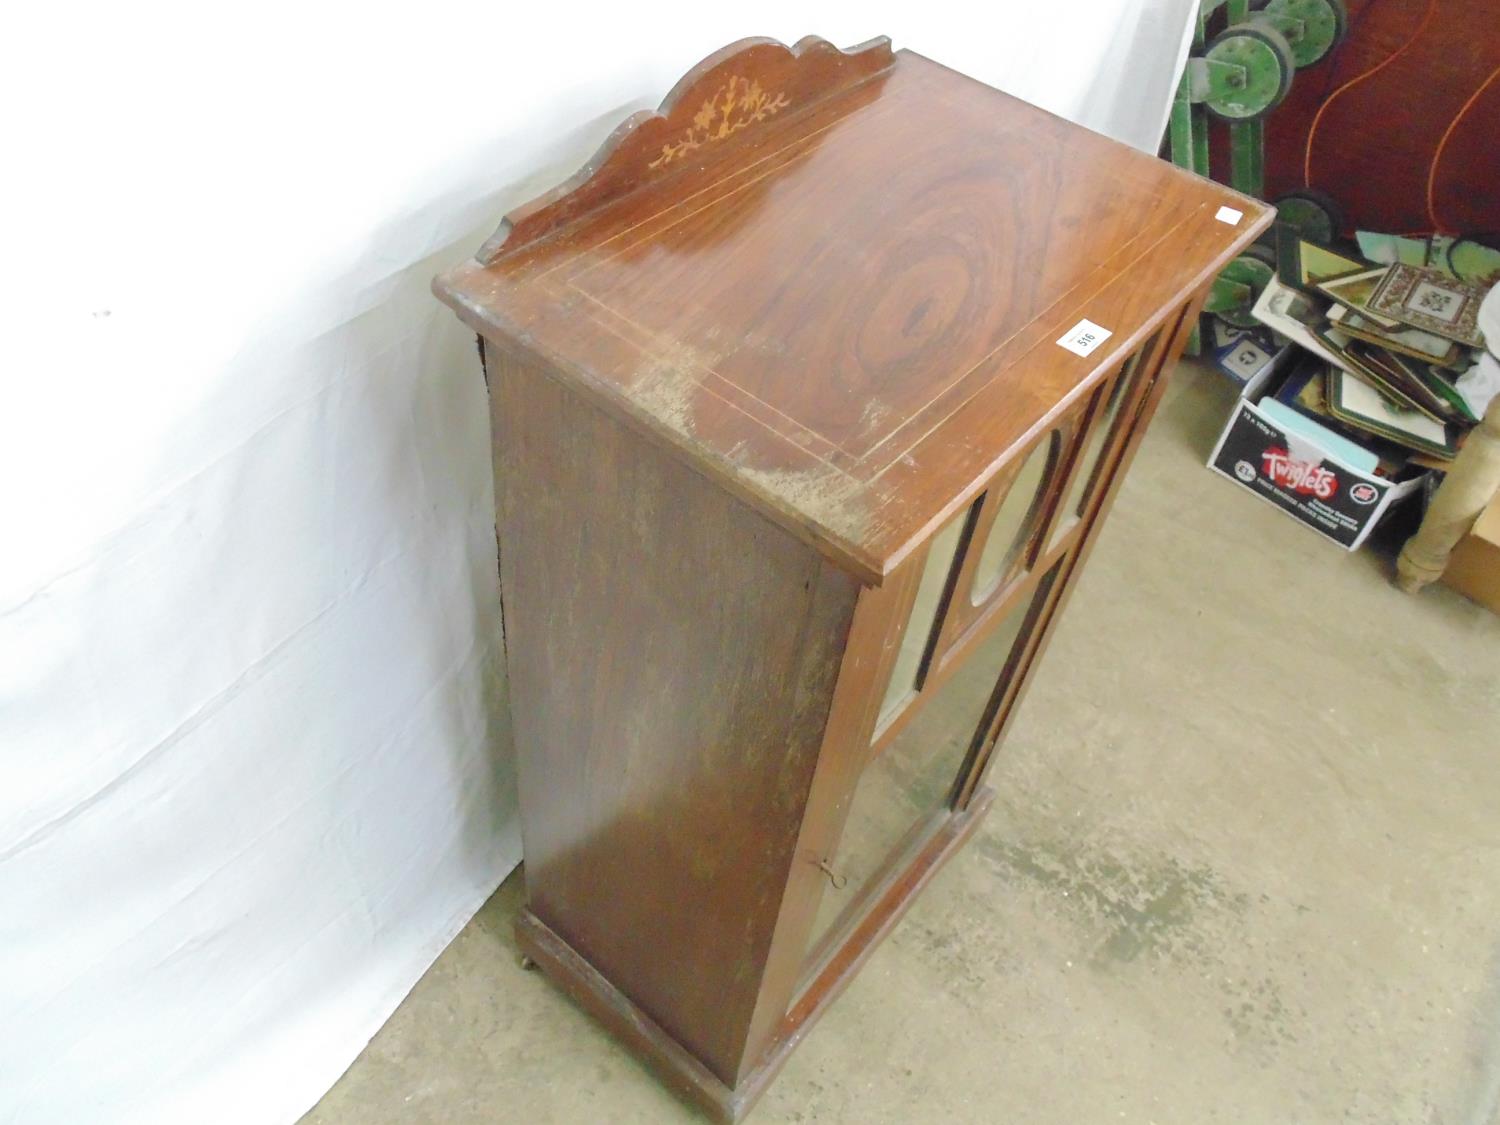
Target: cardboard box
(1474, 567)
(1297, 475)
(1244, 354)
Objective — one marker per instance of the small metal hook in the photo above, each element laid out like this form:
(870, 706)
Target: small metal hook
(839, 881)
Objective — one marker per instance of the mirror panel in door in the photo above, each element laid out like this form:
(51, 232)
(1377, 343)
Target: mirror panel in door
(1015, 519)
(924, 615)
(919, 771)
(1088, 460)
(1101, 430)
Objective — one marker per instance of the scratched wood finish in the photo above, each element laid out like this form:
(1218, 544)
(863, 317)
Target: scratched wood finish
(848, 318)
(667, 724)
(744, 367)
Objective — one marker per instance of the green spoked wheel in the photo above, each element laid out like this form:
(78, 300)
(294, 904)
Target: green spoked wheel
(1324, 25)
(1313, 214)
(1265, 57)
(1254, 269)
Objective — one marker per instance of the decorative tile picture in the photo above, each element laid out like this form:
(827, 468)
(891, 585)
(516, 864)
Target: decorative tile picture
(1441, 303)
(1431, 300)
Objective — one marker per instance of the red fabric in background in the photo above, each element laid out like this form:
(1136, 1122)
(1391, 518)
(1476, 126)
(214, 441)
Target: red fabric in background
(1375, 144)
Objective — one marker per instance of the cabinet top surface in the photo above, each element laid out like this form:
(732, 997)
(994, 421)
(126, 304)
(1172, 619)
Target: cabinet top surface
(847, 310)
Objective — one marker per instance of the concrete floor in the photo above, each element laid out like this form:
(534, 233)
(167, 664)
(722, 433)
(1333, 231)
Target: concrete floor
(1244, 866)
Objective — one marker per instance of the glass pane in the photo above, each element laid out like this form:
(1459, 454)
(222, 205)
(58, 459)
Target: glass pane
(916, 774)
(1014, 519)
(1089, 459)
(924, 612)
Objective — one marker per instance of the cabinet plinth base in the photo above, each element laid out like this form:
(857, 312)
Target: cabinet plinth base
(681, 1070)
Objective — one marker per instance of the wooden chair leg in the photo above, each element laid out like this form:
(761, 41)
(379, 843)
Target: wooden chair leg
(1471, 484)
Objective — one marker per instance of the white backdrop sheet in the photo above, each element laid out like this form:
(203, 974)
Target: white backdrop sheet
(253, 736)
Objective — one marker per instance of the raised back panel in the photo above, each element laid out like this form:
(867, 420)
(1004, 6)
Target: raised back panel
(738, 89)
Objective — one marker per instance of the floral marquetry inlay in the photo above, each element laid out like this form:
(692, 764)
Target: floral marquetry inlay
(715, 103)
(734, 106)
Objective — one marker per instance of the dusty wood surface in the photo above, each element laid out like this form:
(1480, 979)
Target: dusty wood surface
(848, 316)
(672, 658)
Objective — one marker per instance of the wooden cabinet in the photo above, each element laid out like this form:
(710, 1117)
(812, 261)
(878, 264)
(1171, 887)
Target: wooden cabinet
(793, 478)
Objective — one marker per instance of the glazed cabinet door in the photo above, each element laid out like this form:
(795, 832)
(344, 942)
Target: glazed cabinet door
(964, 616)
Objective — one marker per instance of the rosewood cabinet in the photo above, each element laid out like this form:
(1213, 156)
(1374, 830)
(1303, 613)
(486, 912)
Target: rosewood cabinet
(793, 476)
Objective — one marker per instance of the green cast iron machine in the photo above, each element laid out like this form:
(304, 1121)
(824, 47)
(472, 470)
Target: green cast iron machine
(1239, 75)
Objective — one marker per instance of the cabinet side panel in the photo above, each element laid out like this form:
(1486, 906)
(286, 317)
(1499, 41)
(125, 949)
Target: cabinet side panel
(672, 657)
